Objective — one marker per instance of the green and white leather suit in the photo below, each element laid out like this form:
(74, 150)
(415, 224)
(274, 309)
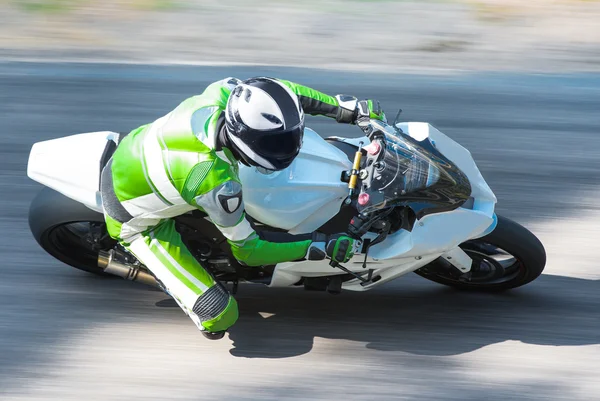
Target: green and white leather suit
(175, 165)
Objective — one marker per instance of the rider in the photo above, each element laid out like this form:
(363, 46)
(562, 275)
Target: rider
(188, 160)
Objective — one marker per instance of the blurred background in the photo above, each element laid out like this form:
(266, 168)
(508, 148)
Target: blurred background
(517, 83)
(381, 34)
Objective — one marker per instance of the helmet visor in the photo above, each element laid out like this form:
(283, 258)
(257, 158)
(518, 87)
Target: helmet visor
(278, 145)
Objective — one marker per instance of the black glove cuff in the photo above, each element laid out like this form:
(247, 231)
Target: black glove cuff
(319, 237)
(346, 111)
(345, 116)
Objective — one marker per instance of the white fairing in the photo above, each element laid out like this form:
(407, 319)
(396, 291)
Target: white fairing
(401, 252)
(71, 166)
(305, 195)
(300, 199)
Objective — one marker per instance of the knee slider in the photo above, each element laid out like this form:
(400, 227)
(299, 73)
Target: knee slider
(212, 303)
(219, 315)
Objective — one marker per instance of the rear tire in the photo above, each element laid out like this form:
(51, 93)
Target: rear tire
(508, 238)
(66, 229)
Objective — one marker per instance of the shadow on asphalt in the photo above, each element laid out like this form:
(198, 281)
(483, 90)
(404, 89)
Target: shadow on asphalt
(416, 317)
(425, 320)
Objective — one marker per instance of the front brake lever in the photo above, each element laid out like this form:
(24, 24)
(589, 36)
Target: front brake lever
(372, 128)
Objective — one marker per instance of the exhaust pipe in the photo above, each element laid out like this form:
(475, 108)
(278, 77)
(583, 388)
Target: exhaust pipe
(106, 260)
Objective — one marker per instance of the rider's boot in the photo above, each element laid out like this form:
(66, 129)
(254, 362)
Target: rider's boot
(216, 335)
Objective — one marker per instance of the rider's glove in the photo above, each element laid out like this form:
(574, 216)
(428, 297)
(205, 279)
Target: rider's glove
(338, 247)
(369, 109)
(366, 111)
(357, 112)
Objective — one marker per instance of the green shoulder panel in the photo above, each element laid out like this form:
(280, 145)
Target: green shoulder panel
(187, 127)
(218, 92)
(188, 136)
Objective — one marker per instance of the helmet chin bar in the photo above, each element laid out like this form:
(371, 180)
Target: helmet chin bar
(226, 142)
(264, 171)
(244, 162)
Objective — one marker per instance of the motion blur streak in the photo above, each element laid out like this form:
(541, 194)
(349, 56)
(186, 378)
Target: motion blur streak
(537, 35)
(65, 335)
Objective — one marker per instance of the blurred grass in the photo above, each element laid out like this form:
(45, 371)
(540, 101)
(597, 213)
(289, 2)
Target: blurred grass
(490, 11)
(65, 6)
(47, 6)
(156, 5)
(494, 12)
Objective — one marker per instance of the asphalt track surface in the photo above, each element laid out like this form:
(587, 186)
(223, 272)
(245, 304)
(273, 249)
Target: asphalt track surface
(67, 335)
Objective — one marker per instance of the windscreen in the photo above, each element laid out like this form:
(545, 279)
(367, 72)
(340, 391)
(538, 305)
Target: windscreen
(414, 174)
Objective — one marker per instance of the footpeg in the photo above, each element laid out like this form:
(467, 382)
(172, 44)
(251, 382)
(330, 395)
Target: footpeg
(358, 276)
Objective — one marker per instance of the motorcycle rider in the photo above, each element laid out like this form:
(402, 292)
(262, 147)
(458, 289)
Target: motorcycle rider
(188, 160)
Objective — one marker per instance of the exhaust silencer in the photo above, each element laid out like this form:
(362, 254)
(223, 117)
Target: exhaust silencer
(106, 260)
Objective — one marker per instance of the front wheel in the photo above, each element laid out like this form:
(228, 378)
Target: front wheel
(508, 257)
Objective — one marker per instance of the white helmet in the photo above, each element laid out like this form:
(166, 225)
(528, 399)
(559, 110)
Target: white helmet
(265, 123)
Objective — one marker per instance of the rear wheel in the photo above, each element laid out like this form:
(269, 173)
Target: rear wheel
(68, 230)
(508, 257)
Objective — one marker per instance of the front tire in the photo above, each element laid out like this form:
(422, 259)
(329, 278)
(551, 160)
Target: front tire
(68, 230)
(508, 257)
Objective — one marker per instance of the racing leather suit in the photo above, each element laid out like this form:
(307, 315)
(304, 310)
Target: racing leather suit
(177, 164)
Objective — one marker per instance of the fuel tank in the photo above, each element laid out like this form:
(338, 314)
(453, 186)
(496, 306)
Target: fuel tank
(305, 195)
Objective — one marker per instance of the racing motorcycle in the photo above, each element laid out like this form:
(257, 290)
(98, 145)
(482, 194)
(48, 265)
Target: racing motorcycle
(412, 196)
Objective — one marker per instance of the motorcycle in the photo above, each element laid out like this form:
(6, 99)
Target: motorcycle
(412, 196)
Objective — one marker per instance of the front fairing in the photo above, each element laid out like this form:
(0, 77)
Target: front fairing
(410, 173)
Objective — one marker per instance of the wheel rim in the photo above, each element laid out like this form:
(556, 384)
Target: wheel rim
(492, 265)
(79, 242)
